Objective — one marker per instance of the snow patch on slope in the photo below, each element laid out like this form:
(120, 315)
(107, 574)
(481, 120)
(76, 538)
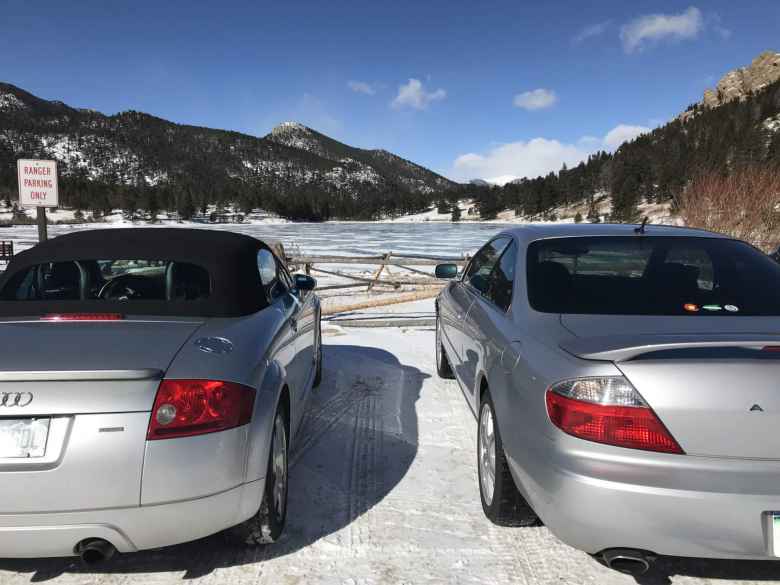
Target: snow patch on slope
(9, 102)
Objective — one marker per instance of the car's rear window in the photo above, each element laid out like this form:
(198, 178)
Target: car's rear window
(652, 275)
(115, 280)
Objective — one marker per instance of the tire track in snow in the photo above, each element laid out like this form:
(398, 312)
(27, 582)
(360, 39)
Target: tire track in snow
(364, 460)
(328, 415)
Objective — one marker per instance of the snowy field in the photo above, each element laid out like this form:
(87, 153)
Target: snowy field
(383, 492)
(318, 238)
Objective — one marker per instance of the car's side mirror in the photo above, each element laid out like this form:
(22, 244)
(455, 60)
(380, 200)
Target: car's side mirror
(446, 271)
(304, 282)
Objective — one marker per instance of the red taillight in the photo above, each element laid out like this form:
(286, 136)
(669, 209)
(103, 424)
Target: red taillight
(184, 408)
(83, 317)
(632, 427)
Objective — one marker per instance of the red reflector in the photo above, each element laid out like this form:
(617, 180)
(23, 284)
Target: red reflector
(623, 426)
(83, 317)
(184, 408)
(771, 348)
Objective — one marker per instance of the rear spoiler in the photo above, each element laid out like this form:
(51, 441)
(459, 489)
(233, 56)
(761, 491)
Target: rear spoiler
(621, 348)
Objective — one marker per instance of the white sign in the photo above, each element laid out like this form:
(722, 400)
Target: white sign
(37, 183)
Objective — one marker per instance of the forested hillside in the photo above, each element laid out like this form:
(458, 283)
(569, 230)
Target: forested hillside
(135, 161)
(656, 167)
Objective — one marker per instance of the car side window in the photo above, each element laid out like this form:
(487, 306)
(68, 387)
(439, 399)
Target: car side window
(478, 273)
(502, 279)
(269, 274)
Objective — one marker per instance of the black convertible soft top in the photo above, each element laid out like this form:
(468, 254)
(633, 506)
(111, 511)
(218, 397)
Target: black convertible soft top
(229, 258)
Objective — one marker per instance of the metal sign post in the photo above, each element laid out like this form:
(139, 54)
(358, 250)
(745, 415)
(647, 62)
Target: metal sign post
(38, 188)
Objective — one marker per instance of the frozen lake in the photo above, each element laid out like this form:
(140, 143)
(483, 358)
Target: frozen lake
(442, 239)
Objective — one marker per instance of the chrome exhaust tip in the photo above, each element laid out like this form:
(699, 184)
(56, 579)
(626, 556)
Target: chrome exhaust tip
(626, 560)
(93, 551)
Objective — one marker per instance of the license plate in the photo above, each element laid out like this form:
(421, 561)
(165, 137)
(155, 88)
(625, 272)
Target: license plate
(23, 437)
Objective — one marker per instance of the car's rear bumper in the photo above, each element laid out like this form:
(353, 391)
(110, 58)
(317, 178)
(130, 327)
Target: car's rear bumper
(595, 498)
(128, 529)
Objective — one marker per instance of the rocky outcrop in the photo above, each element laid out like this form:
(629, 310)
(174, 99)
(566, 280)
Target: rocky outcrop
(738, 84)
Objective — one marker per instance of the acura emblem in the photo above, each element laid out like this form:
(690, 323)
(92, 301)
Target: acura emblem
(15, 398)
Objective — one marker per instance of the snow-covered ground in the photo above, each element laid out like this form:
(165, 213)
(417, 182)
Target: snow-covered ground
(383, 491)
(657, 213)
(467, 211)
(117, 217)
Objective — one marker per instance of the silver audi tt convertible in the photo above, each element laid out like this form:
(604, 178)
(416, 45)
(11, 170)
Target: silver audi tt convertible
(626, 384)
(151, 384)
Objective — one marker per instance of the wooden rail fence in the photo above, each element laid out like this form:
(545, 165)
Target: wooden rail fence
(383, 262)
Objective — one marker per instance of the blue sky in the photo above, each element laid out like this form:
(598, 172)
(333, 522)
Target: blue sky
(490, 90)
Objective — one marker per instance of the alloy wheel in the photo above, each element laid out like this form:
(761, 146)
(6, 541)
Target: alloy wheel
(487, 454)
(279, 468)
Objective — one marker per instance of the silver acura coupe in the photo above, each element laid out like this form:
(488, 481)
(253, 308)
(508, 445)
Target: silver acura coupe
(151, 383)
(626, 384)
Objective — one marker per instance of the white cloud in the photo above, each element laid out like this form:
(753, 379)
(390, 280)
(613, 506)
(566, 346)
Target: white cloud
(655, 27)
(361, 87)
(537, 99)
(622, 133)
(590, 31)
(414, 95)
(536, 157)
(504, 163)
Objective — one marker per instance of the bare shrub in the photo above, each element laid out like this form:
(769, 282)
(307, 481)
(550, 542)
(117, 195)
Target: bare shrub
(744, 204)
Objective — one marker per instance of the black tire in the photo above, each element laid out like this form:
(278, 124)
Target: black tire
(506, 507)
(443, 367)
(266, 526)
(318, 372)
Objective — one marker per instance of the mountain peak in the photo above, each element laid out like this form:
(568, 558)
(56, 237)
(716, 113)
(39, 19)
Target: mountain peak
(14, 100)
(296, 135)
(290, 127)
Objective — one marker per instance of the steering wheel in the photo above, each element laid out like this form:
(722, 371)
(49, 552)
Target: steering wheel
(125, 287)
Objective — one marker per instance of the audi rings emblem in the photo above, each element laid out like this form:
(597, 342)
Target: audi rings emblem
(15, 398)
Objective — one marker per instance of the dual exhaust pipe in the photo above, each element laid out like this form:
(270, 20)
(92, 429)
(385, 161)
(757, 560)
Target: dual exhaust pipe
(94, 551)
(627, 560)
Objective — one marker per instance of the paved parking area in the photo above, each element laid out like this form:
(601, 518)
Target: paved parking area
(383, 491)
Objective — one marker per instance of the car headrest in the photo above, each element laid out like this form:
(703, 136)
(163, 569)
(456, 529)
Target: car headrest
(185, 281)
(552, 274)
(550, 286)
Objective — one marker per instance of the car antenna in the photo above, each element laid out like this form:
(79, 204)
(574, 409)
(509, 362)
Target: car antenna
(641, 229)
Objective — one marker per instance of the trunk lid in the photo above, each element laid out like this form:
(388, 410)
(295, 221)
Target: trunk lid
(706, 378)
(76, 396)
(87, 367)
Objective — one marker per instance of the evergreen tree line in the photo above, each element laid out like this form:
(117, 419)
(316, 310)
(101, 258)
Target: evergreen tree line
(655, 167)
